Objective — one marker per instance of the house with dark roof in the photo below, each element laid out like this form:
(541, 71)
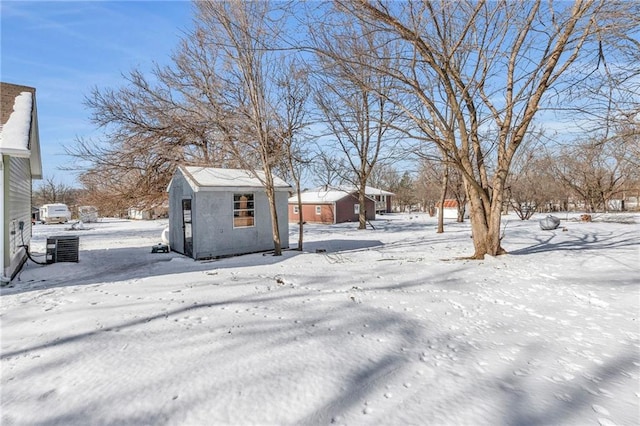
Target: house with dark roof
(223, 212)
(21, 163)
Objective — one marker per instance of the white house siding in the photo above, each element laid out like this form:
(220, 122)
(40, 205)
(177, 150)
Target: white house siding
(449, 213)
(17, 208)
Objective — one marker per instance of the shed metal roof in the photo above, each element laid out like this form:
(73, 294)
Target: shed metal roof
(217, 179)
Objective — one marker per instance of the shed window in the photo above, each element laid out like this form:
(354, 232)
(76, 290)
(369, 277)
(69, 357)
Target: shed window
(296, 210)
(243, 210)
(318, 209)
(356, 209)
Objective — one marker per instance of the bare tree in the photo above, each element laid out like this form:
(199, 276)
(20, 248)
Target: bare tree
(51, 191)
(595, 172)
(528, 186)
(348, 97)
(427, 184)
(219, 104)
(245, 36)
(457, 192)
(149, 130)
(293, 121)
(103, 192)
(438, 176)
(326, 169)
(480, 72)
(405, 192)
(384, 176)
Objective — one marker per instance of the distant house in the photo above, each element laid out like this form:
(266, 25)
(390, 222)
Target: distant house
(625, 203)
(631, 203)
(450, 210)
(148, 213)
(329, 206)
(21, 163)
(139, 213)
(223, 212)
(381, 197)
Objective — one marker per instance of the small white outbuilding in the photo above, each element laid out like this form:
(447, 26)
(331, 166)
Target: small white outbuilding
(223, 212)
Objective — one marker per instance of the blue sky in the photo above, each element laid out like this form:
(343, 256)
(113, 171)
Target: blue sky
(65, 48)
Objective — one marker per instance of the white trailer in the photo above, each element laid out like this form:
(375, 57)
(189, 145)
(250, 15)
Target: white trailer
(54, 213)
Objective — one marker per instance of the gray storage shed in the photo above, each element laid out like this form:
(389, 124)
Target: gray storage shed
(223, 212)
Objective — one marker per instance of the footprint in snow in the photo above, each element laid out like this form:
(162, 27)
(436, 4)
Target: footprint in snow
(598, 392)
(605, 392)
(548, 276)
(600, 410)
(565, 377)
(565, 397)
(591, 377)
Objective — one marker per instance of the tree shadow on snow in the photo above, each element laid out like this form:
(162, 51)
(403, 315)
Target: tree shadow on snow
(131, 263)
(558, 241)
(333, 246)
(359, 379)
(580, 394)
(365, 371)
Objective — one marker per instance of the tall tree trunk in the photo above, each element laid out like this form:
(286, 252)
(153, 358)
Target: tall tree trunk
(271, 196)
(300, 218)
(461, 209)
(443, 197)
(362, 215)
(277, 244)
(485, 224)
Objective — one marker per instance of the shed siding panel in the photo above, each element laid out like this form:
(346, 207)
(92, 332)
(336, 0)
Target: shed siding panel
(214, 234)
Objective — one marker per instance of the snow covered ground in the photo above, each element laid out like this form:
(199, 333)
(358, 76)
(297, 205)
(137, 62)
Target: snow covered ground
(387, 327)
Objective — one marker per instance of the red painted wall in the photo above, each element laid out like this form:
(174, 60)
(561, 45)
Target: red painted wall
(309, 214)
(344, 211)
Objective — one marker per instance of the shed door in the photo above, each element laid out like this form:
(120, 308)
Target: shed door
(186, 228)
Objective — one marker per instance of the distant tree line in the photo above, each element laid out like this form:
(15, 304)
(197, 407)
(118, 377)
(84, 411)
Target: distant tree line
(591, 176)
